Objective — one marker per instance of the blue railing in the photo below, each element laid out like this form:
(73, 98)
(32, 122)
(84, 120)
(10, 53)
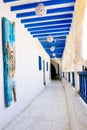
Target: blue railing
(83, 85)
(73, 79)
(69, 76)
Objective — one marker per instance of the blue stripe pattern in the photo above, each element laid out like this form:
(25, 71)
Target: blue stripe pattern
(56, 37)
(57, 56)
(49, 11)
(46, 3)
(47, 18)
(57, 22)
(54, 34)
(49, 27)
(48, 31)
(59, 50)
(48, 23)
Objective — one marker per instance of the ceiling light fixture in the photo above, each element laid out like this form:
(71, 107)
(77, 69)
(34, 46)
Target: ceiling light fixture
(52, 48)
(53, 54)
(40, 9)
(50, 38)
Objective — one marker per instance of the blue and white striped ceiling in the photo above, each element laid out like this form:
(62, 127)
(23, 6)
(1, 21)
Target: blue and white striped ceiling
(57, 22)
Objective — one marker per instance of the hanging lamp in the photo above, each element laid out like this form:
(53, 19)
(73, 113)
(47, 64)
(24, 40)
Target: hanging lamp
(53, 54)
(52, 48)
(40, 9)
(50, 38)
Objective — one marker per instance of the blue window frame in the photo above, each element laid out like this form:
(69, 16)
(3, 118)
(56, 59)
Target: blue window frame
(40, 63)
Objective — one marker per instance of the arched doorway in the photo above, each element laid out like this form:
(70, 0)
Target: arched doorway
(53, 72)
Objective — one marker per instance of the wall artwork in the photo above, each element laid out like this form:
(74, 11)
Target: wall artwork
(9, 60)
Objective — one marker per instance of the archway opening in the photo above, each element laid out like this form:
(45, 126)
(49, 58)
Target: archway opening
(53, 72)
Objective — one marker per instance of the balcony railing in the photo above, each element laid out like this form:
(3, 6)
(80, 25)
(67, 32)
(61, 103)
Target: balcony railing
(69, 76)
(83, 85)
(73, 79)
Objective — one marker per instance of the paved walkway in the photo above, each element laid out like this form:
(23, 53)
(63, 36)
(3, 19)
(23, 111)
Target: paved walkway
(47, 112)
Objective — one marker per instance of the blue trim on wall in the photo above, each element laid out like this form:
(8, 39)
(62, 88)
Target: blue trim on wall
(46, 3)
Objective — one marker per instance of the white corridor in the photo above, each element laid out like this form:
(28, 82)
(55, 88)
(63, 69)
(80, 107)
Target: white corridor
(47, 112)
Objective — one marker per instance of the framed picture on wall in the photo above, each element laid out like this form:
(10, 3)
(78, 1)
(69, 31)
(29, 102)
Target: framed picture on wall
(9, 60)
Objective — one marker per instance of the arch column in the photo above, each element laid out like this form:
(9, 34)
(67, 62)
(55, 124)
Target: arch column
(78, 59)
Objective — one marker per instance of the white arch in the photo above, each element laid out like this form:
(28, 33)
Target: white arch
(84, 41)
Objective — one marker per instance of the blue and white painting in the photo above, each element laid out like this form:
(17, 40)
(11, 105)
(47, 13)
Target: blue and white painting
(9, 60)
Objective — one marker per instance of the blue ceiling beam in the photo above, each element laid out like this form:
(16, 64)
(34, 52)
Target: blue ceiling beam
(63, 16)
(49, 27)
(57, 42)
(46, 47)
(6, 1)
(49, 11)
(53, 34)
(46, 3)
(58, 50)
(53, 30)
(48, 23)
(57, 46)
(57, 55)
(58, 37)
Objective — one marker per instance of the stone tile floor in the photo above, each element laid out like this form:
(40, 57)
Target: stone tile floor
(47, 112)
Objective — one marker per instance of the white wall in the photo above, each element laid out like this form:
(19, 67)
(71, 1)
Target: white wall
(29, 80)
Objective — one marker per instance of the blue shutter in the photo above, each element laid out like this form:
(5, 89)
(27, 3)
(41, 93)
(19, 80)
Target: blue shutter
(47, 66)
(40, 63)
